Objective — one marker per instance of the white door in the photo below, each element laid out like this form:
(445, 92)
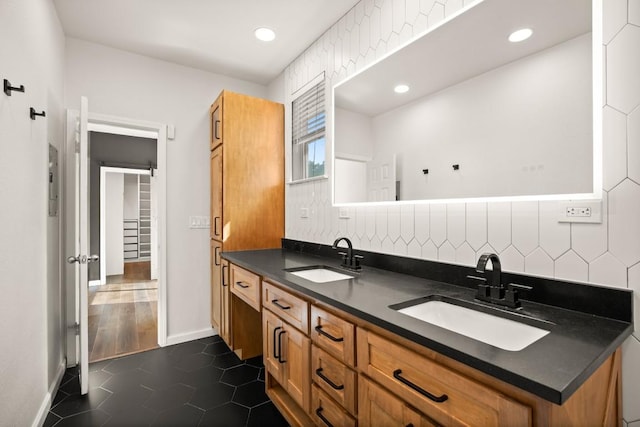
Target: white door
(80, 256)
(381, 183)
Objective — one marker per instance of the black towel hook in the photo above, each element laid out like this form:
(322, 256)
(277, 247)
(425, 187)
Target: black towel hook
(33, 113)
(8, 88)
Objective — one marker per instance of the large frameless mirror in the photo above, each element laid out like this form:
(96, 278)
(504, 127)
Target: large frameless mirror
(475, 115)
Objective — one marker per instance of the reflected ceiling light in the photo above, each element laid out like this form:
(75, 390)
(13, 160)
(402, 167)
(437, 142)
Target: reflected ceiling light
(520, 35)
(264, 34)
(401, 89)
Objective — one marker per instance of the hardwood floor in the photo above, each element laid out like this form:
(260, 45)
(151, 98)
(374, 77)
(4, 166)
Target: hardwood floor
(123, 318)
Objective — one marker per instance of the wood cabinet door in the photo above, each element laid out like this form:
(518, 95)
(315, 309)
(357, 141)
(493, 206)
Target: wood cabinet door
(287, 357)
(225, 309)
(216, 285)
(216, 122)
(216, 194)
(271, 350)
(296, 358)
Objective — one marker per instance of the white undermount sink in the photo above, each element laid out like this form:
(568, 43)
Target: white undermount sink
(320, 274)
(497, 331)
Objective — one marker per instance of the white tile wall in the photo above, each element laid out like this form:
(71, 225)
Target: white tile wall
(524, 234)
(633, 147)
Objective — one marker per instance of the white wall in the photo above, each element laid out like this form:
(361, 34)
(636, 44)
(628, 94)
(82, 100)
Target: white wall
(526, 235)
(355, 133)
(123, 84)
(32, 359)
(131, 196)
(114, 216)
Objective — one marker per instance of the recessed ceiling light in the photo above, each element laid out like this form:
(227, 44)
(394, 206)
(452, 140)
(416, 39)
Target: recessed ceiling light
(401, 89)
(265, 34)
(520, 35)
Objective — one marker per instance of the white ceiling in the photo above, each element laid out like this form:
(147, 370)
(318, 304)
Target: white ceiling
(212, 35)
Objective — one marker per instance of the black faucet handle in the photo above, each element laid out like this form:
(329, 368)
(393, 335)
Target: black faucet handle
(356, 261)
(515, 286)
(477, 280)
(483, 288)
(512, 297)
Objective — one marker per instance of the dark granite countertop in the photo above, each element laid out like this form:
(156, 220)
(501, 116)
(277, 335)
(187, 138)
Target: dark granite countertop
(552, 367)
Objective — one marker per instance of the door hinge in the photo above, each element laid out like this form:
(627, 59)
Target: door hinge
(76, 328)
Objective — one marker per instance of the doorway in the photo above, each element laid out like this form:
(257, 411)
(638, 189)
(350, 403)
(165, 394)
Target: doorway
(150, 295)
(122, 308)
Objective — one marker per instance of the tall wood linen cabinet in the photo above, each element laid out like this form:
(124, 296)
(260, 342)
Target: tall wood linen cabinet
(247, 204)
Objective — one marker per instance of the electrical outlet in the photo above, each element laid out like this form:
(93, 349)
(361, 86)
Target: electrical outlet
(344, 213)
(584, 211)
(304, 212)
(578, 212)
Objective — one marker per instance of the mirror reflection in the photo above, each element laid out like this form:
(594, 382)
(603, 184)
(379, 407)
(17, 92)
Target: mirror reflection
(477, 115)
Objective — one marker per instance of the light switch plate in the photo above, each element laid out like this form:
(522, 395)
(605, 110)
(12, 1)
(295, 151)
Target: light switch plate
(199, 222)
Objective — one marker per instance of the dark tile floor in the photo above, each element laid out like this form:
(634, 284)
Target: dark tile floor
(198, 383)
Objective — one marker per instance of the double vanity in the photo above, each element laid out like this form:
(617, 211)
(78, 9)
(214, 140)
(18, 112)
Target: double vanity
(408, 342)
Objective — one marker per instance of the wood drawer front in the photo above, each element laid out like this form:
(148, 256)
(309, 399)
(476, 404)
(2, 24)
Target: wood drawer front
(333, 377)
(323, 407)
(246, 285)
(290, 308)
(378, 407)
(334, 335)
(410, 376)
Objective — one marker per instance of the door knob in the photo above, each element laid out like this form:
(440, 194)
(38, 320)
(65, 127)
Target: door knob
(73, 259)
(93, 258)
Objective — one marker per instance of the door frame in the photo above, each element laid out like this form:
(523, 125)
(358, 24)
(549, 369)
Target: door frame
(122, 126)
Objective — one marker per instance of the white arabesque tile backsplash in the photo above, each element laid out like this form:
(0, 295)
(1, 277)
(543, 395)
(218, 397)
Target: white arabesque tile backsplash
(526, 235)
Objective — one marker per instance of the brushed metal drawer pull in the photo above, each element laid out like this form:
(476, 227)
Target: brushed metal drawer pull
(223, 275)
(438, 399)
(280, 306)
(331, 337)
(328, 381)
(242, 285)
(319, 414)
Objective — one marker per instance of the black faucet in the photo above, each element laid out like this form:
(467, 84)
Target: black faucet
(349, 260)
(490, 287)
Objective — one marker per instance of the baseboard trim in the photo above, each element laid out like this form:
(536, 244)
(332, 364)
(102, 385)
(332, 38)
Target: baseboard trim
(94, 283)
(190, 336)
(51, 393)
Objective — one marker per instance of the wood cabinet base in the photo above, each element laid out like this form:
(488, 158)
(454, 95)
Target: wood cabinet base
(294, 414)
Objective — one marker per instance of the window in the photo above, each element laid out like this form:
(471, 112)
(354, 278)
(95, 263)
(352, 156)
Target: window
(308, 134)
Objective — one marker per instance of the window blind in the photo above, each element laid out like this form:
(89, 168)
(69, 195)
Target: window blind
(308, 115)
